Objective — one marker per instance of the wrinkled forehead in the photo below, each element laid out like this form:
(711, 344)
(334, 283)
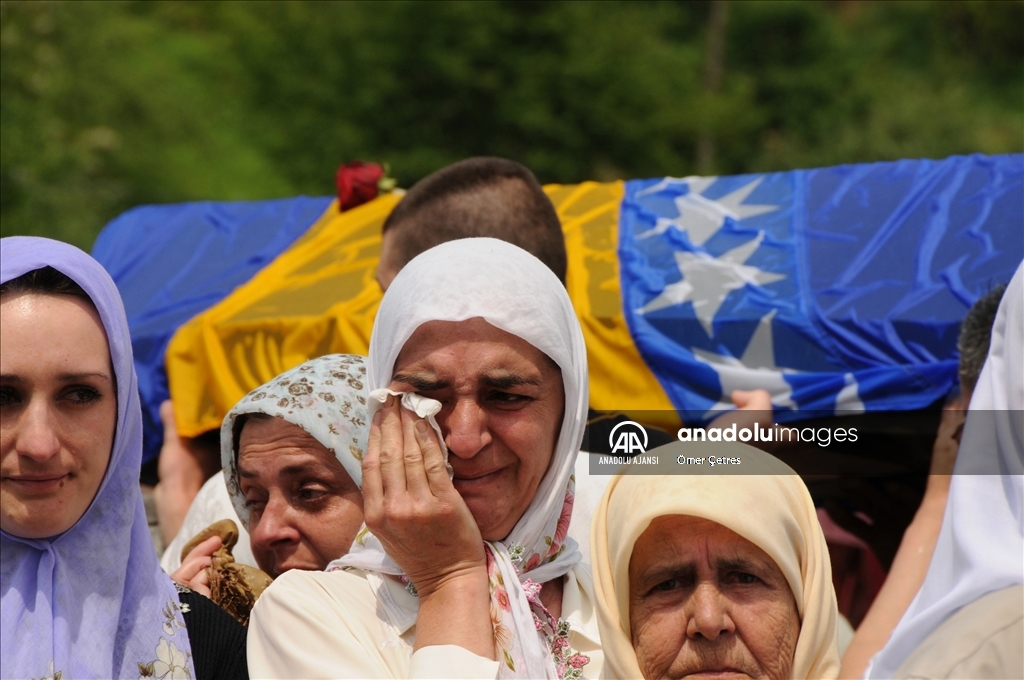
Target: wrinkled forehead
(465, 340)
(260, 436)
(773, 512)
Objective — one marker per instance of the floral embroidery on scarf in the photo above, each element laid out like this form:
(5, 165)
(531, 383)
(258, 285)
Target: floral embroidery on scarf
(170, 664)
(54, 675)
(410, 587)
(499, 603)
(568, 663)
(363, 533)
(557, 542)
(322, 396)
(172, 622)
(300, 388)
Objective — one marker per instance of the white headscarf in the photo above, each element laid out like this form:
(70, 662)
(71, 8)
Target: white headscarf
(325, 396)
(513, 291)
(769, 506)
(981, 544)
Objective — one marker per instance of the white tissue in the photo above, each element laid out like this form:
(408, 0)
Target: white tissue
(423, 407)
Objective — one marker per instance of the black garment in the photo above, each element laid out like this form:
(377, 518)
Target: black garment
(217, 639)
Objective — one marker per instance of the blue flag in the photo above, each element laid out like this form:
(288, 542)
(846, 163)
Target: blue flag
(835, 289)
(171, 262)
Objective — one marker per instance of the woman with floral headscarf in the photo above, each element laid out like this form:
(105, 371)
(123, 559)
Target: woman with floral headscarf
(333, 413)
(291, 452)
(465, 569)
(301, 504)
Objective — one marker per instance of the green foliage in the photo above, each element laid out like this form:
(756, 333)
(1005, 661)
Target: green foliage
(109, 105)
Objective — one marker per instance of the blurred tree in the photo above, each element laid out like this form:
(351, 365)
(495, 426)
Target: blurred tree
(107, 105)
(103, 108)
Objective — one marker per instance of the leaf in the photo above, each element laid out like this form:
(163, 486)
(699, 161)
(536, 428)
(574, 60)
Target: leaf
(508, 661)
(361, 536)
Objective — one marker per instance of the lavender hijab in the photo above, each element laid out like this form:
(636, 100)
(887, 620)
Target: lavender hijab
(91, 602)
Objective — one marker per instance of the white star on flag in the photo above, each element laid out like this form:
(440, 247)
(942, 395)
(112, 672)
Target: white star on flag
(701, 217)
(848, 400)
(756, 369)
(708, 280)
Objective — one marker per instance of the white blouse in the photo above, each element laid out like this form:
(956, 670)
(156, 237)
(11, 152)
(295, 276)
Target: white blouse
(332, 625)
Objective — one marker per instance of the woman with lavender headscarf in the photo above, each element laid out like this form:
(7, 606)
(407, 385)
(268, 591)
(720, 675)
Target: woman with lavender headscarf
(81, 592)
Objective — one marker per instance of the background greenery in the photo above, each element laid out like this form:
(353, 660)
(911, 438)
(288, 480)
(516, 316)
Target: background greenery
(109, 105)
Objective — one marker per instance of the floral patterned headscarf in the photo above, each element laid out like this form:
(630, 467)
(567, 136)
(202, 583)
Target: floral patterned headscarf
(93, 601)
(513, 291)
(325, 396)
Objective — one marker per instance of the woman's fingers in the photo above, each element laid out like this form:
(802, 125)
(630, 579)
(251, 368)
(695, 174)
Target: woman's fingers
(412, 507)
(206, 548)
(415, 475)
(192, 572)
(188, 570)
(392, 449)
(201, 583)
(197, 559)
(196, 562)
(373, 489)
(433, 458)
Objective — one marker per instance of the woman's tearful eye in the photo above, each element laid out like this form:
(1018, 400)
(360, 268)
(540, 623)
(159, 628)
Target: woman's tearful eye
(509, 398)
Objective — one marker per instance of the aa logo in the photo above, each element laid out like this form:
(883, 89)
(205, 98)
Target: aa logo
(626, 438)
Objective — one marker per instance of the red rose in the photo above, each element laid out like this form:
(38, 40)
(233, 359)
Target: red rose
(358, 183)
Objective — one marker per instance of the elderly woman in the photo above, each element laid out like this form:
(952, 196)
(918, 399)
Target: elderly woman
(464, 571)
(291, 452)
(703, 573)
(82, 593)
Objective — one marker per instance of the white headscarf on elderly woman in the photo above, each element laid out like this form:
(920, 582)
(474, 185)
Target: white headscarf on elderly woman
(524, 298)
(325, 396)
(769, 506)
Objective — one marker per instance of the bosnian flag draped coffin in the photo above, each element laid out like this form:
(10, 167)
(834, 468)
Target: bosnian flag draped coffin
(835, 289)
(839, 288)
